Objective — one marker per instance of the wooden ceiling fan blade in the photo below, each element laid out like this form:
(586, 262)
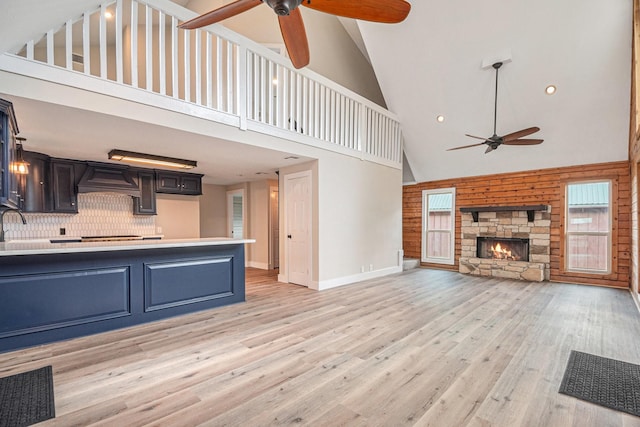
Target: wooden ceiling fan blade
(476, 137)
(220, 14)
(295, 38)
(385, 11)
(524, 142)
(465, 146)
(520, 133)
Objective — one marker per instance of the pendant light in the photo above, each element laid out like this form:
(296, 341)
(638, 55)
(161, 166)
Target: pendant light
(20, 166)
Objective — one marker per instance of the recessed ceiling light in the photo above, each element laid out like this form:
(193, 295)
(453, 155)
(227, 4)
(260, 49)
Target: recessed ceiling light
(550, 90)
(275, 82)
(291, 158)
(440, 118)
(108, 15)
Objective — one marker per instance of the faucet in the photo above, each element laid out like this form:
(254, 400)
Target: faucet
(4, 211)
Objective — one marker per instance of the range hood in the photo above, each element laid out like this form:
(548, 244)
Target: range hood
(107, 178)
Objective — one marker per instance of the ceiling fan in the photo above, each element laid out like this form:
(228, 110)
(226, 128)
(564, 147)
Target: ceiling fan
(290, 18)
(494, 141)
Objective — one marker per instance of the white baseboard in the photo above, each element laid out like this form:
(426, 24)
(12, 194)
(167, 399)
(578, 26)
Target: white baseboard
(283, 278)
(260, 265)
(346, 280)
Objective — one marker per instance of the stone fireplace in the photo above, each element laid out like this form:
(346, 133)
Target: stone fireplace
(506, 241)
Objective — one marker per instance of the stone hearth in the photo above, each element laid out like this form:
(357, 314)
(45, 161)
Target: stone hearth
(507, 224)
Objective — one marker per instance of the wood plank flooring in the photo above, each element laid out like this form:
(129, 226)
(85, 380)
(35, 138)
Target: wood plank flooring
(422, 348)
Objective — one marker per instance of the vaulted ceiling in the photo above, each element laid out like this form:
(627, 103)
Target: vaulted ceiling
(431, 65)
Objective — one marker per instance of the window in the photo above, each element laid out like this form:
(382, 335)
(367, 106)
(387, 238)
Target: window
(438, 225)
(588, 227)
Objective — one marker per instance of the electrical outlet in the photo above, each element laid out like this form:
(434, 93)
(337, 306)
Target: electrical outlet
(362, 269)
(370, 267)
(63, 231)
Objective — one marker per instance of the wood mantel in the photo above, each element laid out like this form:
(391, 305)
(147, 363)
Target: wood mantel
(531, 209)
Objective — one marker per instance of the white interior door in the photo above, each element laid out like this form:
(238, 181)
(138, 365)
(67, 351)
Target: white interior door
(297, 189)
(235, 214)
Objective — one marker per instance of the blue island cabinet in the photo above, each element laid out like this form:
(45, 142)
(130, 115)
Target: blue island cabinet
(51, 297)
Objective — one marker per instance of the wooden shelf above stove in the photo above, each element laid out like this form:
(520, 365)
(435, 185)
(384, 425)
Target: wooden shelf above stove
(530, 209)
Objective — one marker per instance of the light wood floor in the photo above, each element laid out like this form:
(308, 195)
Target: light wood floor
(423, 348)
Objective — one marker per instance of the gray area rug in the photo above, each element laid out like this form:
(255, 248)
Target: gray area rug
(603, 381)
(27, 398)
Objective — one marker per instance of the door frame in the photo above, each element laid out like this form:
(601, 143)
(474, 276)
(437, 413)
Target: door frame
(274, 222)
(230, 195)
(284, 203)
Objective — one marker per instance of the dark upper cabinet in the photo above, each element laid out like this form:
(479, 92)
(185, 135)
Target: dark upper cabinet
(192, 184)
(168, 182)
(63, 189)
(146, 203)
(178, 183)
(52, 184)
(9, 181)
(35, 185)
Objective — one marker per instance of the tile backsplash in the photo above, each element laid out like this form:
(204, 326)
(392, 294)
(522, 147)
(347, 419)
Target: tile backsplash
(99, 214)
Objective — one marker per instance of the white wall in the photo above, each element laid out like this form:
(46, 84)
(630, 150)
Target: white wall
(213, 211)
(178, 216)
(356, 220)
(360, 224)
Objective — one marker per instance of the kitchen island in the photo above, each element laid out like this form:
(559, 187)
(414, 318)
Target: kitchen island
(55, 291)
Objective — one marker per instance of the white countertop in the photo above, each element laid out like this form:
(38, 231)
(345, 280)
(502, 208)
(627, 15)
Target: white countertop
(44, 246)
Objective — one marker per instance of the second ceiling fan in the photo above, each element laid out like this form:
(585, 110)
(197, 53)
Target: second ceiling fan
(290, 18)
(495, 141)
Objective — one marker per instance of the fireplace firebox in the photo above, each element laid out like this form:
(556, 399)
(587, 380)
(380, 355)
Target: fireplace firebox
(508, 249)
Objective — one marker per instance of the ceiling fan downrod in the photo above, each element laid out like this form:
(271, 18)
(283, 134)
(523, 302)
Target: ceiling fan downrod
(497, 66)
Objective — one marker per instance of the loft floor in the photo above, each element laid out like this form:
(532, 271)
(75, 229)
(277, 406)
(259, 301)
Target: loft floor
(424, 347)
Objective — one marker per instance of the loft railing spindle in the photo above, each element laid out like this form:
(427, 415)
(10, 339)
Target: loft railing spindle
(175, 64)
(198, 65)
(119, 54)
(103, 41)
(68, 45)
(162, 54)
(134, 44)
(187, 65)
(230, 97)
(209, 71)
(50, 50)
(219, 89)
(149, 47)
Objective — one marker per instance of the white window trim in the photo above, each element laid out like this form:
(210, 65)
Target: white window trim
(425, 197)
(609, 232)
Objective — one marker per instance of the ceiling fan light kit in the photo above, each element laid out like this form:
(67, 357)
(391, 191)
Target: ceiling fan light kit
(495, 141)
(290, 18)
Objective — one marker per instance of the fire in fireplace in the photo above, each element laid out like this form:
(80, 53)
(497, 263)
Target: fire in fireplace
(509, 249)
